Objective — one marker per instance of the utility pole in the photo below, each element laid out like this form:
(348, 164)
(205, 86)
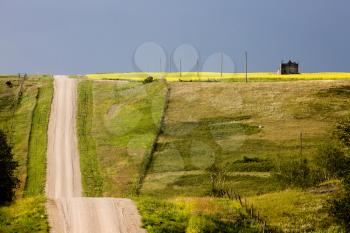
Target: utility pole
(170, 61)
(197, 67)
(180, 69)
(160, 65)
(246, 66)
(222, 61)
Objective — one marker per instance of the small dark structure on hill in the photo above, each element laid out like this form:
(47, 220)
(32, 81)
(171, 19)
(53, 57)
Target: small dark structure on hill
(289, 68)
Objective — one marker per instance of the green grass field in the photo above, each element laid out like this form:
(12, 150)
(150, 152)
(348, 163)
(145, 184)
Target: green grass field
(89, 165)
(117, 123)
(294, 210)
(195, 215)
(246, 129)
(220, 123)
(25, 215)
(35, 184)
(25, 119)
(15, 119)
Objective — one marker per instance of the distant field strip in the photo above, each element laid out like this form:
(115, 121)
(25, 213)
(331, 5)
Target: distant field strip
(212, 76)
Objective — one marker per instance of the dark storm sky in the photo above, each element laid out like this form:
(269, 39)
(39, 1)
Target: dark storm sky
(87, 36)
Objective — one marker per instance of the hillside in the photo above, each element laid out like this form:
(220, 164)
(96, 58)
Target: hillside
(173, 147)
(244, 129)
(24, 111)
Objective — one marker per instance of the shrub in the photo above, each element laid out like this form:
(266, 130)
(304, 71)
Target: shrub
(217, 180)
(252, 164)
(339, 208)
(333, 161)
(342, 131)
(149, 79)
(8, 181)
(162, 216)
(297, 173)
(219, 223)
(336, 162)
(9, 84)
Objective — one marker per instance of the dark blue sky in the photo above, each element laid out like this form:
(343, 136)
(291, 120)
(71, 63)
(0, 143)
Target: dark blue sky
(87, 36)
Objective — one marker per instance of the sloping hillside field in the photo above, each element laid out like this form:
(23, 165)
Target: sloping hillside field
(24, 112)
(222, 123)
(213, 134)
(246, 130)
(197, 153)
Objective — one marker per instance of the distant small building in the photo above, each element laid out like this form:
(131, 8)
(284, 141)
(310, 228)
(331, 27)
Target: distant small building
(289, 68)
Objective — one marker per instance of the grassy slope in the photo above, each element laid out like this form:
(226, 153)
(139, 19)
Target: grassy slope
(293, 210)
(19, 125)
(35, 184)
(90, 168)
(210, 123)
(25, 214)
(219, 123)
(124, 117)
(194, 215)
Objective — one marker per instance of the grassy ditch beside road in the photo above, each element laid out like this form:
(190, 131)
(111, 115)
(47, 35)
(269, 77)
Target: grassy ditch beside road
(25, 123)
(35, 184)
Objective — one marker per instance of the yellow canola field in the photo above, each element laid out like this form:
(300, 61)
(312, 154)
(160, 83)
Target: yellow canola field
(211, 76)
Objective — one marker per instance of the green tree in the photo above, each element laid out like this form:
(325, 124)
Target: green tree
(333, 161)
(8, 180)
(297, 172)
(342, 131)
(339, 207)
(149, 79)
(217, 177)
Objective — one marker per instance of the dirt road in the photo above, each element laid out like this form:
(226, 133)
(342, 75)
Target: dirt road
(63, 174)
(68, 211)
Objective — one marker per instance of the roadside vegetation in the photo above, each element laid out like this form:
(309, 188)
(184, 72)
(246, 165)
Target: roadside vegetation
(90, 168)
(20, 105)
(35, 184)
(336, 162)
(25, 215)
(8, 181)
(194, 215)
